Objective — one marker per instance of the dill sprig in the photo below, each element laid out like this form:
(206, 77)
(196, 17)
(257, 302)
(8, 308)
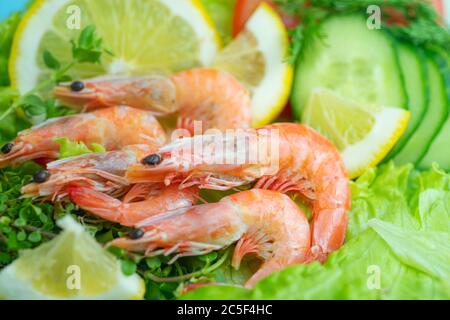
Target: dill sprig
(423, 32)
(419, 20)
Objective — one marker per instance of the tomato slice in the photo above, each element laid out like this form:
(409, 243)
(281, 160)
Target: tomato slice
(396, 17)
(439, 4)
(242, 11)
(245, 8)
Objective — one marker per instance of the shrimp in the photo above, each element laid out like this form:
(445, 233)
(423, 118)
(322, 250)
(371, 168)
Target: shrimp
(296, 159)
(101, 172)
(214, 98)
(157, 199)
(264, 223)
(153, 93)
(114, 128)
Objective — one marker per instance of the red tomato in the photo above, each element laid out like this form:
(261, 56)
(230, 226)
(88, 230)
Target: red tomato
(398, 18)
(245, 8)
(439, 4)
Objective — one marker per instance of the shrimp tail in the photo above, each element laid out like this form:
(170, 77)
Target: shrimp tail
(252, 242)
(96, 202)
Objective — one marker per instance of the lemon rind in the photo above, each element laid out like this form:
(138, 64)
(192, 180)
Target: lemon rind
(267, 27)
(31, 43)
(390, 124)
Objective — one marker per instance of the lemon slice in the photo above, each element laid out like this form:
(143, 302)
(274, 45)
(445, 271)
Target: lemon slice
(257, 57)
(145, 36)
(363, 135)
(71, 266)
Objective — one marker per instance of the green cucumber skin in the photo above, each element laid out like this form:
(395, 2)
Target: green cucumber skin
(393, 95)
(434, 117)
(439, 150)
(417, 89)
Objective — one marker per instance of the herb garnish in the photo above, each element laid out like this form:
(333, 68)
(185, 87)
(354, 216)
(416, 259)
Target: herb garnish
(87, 49)
(415, 21)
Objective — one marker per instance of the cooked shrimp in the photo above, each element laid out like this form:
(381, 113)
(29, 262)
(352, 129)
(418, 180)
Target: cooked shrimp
(299, 160)
(114, 128)
(158, 199)
(153, 93)
(264, 223)
(101, 172)
(213, 97)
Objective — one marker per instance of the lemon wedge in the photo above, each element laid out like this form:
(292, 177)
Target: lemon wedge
(363, 135)
(70, 266)
(145, 36)
(257, 58)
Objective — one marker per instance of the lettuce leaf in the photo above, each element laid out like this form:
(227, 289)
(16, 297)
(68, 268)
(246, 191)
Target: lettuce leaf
(68, 148)
(413, 247)
(11, 124)
(397, 246)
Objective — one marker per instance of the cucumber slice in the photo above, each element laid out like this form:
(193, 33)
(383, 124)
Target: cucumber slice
(346, 57)
(434, 117)
(439, 148)
(414, 70)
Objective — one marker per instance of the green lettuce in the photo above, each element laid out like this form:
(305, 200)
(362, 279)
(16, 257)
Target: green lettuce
(397, 246)
(7, 29)
(68, 148)
(11, 124)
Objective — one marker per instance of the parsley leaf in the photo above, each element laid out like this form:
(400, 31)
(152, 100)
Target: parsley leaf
(88, 48)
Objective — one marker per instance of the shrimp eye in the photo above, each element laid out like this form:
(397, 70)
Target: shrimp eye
(77, 86)
(41, 176)
(152, 160)
(135, 234)
(7, 148)
(78, 212)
